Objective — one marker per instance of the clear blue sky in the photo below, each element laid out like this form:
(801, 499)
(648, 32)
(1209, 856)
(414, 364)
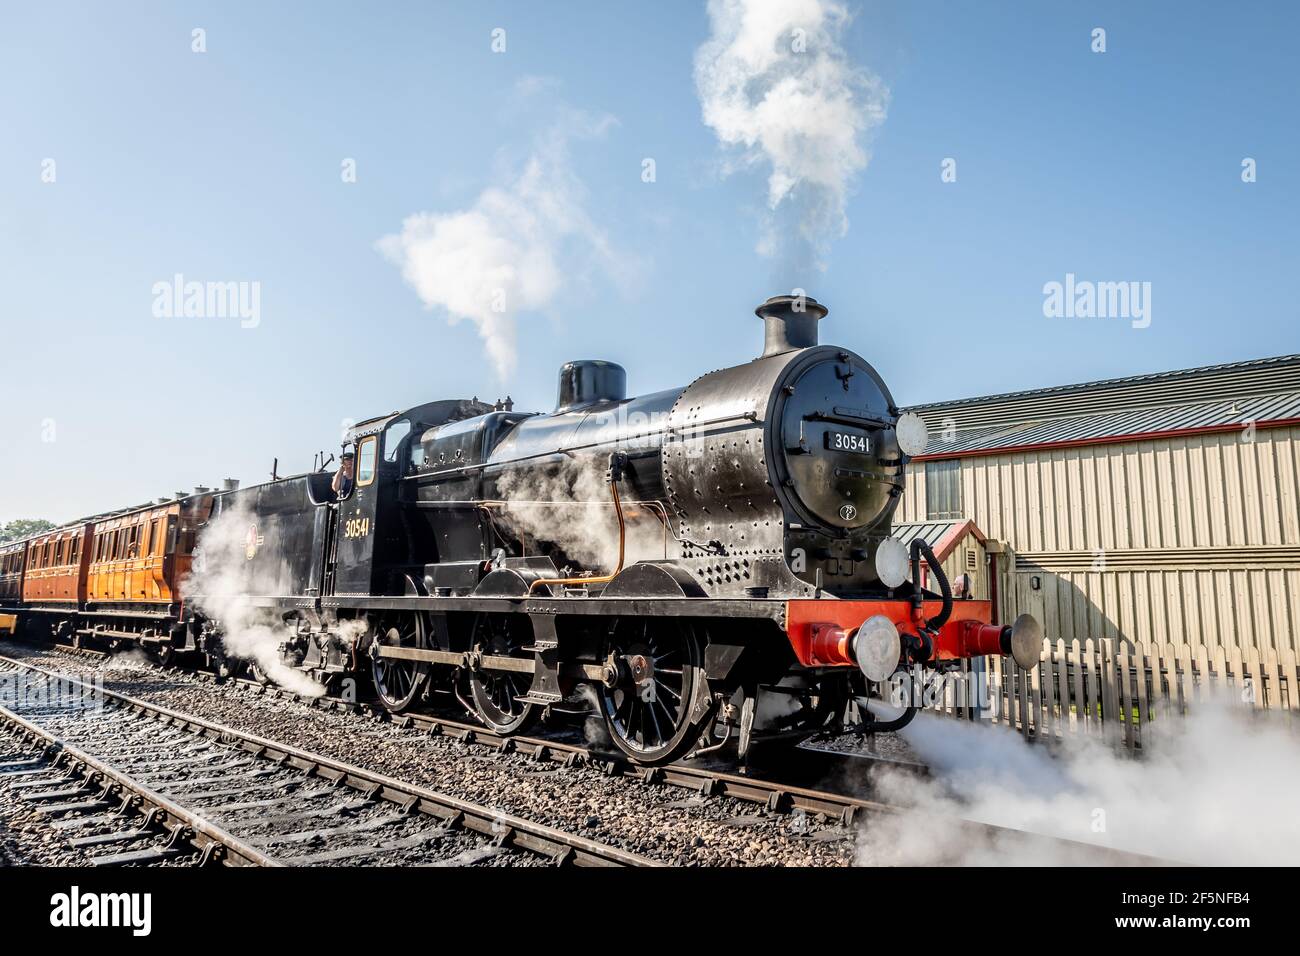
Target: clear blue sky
(226, 166)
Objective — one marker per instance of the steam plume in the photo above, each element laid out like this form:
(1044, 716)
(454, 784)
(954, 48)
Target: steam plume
(1215, 788)
(220, 585)
(514, 250)
(777, 88)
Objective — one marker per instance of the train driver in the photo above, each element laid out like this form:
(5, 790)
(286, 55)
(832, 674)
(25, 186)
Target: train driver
(343, 481)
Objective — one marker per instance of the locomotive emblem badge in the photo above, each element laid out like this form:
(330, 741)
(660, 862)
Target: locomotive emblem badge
(252, 541)
(848, 512)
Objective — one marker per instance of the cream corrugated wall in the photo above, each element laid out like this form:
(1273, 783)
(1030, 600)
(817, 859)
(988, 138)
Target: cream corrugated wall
(1193, 539)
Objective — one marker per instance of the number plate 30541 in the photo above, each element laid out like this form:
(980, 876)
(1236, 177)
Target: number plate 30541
(855, 442)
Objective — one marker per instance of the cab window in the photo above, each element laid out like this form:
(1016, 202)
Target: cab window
(366, 460)
(393, 438)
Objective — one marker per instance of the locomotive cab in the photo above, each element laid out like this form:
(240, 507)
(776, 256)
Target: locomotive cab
(380, 545)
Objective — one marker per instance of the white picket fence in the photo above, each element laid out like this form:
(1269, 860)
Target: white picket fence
(1119, 691)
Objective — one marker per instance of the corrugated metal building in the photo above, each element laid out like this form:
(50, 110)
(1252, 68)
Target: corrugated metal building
(1158, 508)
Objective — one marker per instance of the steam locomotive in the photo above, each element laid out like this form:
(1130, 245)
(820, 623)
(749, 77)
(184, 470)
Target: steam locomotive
(704, 567)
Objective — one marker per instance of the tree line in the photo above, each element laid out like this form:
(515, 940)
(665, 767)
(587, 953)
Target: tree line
(21, 528)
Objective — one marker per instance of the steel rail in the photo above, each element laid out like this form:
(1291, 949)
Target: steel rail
(505, 829)
(214, 843)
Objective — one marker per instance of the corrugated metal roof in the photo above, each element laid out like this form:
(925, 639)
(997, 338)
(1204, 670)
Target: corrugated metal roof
(1279, 376)
(931, 532)
(1210, 397)
(1097, 427)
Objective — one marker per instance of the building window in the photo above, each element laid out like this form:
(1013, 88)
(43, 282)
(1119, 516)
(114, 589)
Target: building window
(943, 489)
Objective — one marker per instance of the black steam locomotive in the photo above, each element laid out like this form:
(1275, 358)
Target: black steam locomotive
(704, 565)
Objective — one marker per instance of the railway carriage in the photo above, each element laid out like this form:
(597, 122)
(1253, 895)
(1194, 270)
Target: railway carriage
(13, 559)
(113, 579)
(138, 561)
(54, 579)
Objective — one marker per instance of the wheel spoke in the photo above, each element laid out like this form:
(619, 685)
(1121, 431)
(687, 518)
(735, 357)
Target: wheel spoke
(661, 687)
(669, 716)
(659, 733)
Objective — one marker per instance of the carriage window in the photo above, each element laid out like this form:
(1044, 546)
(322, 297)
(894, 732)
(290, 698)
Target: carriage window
(366, 461)
(393, 438)
(149, 536)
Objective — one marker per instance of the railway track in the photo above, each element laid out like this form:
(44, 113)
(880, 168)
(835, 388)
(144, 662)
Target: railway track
(832, 814)
(758, 786)
(130, 782)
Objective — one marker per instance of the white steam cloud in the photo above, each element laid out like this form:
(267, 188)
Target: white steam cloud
(1215, 788)
(778, 89)
(521, 245)
(220, 585)
(573, 509)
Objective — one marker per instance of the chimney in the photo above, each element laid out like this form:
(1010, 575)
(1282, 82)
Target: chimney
(230, 484)
(201, 489)
(790, 323)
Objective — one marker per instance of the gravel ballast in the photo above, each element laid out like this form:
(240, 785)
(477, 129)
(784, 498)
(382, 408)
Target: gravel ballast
(664, 823)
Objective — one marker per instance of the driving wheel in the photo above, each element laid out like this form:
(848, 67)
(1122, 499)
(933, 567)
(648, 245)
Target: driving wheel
(650, 712)
(496, 693)
(398, 682)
